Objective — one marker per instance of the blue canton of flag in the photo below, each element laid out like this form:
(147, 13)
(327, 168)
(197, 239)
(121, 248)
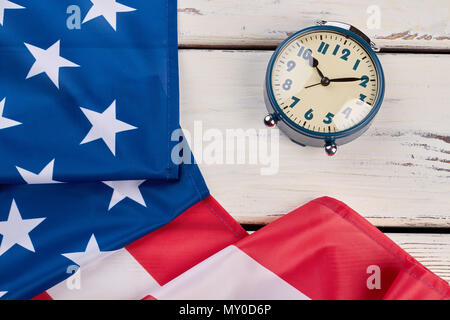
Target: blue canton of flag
(88, 90)
(93, 103)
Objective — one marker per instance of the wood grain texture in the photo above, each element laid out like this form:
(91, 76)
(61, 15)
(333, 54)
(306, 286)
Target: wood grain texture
(432, 250)
(405, 24)
(396, 174)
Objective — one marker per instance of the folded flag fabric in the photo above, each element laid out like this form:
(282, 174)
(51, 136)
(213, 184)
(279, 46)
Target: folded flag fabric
(88, 90)
(88, 104)
(48, 230)
(323, 250)
(154, 260)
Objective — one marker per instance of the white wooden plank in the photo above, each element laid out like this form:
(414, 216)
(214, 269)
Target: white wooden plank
(432, 250)
(396, 174)
(404, 24)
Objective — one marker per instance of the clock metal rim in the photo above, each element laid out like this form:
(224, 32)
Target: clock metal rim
(325, 135)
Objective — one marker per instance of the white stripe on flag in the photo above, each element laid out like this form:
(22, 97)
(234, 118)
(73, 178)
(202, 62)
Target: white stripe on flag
(118, 276)
(229, 274)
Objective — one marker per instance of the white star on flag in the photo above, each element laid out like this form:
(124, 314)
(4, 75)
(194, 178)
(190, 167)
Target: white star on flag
(48, 61)
(43, 177)
(108, 9)
(105, 126)
(5, 4)
(5, 122)
(16, 230)
(91, 254)
(125, 189)
(2, 293)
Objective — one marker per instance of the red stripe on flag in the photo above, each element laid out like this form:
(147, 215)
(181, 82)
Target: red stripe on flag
(324, 249)
(198, 233)
(43, 296)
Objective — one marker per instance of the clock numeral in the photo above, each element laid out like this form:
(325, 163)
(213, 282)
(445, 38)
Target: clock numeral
(356, 64)
(336, 49)
(296, 100)
(347, 112)
(309, 114)
(362, 97)
(323, 48)
(364, 80)
(305, 54)
(328, 118)
(290, 65)
(345, 54)
(287, 84)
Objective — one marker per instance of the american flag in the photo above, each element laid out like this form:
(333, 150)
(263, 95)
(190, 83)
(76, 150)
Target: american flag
(86, 113)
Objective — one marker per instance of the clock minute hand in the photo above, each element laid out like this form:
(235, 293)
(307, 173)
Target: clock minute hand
(325, 81)
(345, 79)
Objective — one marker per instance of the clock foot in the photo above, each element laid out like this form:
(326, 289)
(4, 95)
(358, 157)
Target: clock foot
(330, 148)
(269, 121)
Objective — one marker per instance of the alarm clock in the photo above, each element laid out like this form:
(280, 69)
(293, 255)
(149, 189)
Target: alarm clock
(324, 85)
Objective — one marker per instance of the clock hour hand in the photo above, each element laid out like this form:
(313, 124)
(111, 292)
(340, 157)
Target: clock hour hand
(314, 63)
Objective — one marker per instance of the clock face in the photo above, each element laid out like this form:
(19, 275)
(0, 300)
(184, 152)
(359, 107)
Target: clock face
(325, 82)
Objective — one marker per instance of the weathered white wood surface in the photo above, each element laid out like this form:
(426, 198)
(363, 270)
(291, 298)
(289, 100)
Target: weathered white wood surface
(404, 24)
(432, 250)
(396, 174)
